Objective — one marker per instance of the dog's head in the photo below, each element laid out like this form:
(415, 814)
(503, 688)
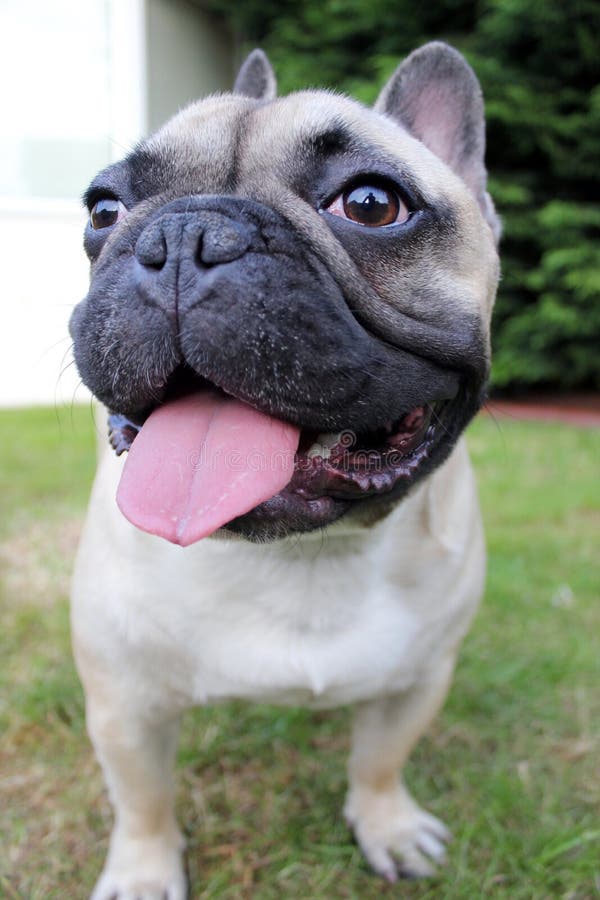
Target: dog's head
(329, 266)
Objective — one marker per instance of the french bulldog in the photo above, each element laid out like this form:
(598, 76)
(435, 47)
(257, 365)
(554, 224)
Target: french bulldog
(288, 324)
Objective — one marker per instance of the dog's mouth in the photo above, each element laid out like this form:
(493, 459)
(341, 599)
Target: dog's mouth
(351, 466)
(202, 460)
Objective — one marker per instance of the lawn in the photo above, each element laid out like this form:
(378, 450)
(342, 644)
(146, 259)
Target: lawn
(511, 764)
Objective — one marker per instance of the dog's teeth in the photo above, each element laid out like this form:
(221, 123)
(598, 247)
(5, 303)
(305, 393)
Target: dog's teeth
(324, 444)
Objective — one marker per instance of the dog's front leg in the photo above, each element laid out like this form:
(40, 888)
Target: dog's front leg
(137, 753)
(394, 833)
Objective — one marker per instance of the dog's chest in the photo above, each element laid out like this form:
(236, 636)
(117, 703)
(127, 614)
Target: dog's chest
(308, 625)
(311, 629)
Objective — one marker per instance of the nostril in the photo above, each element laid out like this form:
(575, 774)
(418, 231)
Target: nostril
(222, 241)
(198, 260)
(151, 249)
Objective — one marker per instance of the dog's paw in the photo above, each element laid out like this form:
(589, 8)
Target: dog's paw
(143, 869)
(396, 836)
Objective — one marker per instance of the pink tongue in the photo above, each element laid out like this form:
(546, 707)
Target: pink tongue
(199, 462)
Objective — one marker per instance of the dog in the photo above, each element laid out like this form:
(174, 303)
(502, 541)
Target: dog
(288, 324)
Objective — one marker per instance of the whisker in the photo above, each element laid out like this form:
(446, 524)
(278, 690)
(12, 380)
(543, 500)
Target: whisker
(439, 422)
(488, 407)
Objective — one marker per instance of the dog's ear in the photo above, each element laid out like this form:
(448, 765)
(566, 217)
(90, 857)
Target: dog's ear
(436, 96)
(256, 78)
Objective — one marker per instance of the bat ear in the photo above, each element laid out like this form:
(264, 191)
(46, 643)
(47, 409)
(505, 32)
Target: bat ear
(256, 78)
(436, 96)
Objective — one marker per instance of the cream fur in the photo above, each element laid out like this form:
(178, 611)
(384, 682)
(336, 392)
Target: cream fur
(355, 615)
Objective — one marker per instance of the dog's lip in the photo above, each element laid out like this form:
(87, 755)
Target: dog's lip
(358, 466)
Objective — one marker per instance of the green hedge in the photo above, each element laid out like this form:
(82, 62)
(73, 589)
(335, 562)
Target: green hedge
(538, 62)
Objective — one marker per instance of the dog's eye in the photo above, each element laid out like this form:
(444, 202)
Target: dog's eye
(106, 212)
(371, 205)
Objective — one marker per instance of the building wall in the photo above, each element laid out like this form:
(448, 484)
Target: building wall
(188, 56)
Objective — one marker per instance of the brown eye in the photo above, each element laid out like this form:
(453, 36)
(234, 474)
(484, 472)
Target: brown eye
(370, 205)
(106, 212)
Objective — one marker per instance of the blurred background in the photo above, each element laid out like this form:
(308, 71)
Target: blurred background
(84, 79)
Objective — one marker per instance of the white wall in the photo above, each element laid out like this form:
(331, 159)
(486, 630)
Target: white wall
(44, 272)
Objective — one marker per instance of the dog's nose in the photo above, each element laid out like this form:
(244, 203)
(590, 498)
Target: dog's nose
(186, 247)
(206, 238)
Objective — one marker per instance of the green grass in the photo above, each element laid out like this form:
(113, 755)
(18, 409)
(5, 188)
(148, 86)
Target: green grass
(511, 765)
